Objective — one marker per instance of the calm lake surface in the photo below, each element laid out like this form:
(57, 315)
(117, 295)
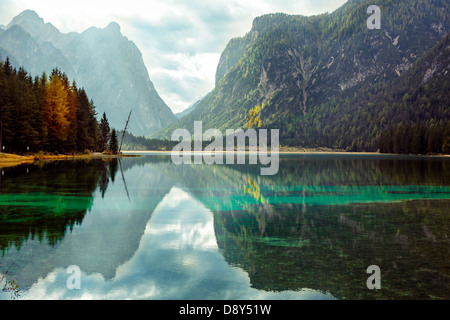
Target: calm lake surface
(144, 228)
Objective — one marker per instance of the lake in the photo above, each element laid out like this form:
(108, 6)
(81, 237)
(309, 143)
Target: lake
(144, 228)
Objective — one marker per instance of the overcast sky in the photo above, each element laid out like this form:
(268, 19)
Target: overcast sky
(181, 40)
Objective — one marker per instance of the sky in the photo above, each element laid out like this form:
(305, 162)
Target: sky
(181, 40)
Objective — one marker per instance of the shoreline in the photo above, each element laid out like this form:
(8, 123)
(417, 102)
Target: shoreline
(299, 152)
(280, 152)
(11, 160)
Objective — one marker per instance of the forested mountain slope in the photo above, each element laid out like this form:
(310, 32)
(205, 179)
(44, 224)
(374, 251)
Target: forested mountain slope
(314, 74)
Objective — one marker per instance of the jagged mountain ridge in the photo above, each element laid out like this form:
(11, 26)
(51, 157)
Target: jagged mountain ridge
(295, 64)
(107, 64)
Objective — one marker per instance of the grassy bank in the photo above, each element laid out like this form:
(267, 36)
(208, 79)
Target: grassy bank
(9, 159)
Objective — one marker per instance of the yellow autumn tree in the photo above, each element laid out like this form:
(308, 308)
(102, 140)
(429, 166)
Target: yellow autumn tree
(57, 109)
(254, 117)
(254, 190)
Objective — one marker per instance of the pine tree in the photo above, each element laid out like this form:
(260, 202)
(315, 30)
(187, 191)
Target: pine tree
(71, 141)
(45, 114)
(84, 141)
(114, 142)
(105, 132)
(6, 109)
(93, 126)
(41, 88)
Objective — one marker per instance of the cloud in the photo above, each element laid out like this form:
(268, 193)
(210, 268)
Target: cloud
(181, 41)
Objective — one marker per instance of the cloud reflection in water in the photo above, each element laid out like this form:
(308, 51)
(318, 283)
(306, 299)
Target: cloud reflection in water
(177, 258)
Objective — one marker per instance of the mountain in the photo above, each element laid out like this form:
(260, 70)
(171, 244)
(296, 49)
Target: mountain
(310, 72)
(185, 112)
(190, 108)
(419, 120)
(103, 61)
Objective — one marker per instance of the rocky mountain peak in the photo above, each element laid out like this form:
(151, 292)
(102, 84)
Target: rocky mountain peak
(32, 23)
(113, 27)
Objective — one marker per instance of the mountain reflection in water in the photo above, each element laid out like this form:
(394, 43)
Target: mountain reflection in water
(225, 232)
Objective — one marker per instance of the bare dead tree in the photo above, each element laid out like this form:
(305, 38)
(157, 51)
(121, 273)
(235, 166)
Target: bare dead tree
(123, 178)
(124, 130)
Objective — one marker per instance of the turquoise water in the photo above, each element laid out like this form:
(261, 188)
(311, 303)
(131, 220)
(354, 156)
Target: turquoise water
(144, 228)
